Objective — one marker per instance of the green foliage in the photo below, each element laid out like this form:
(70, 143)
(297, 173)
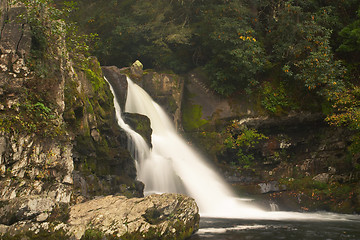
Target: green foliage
(351, 36)
(304, 49)
(152, 31)
(92, 234)
(192, 117)
(31, 118)
(347, 106)
(332, 196)
(275, 100)
(347, 113)
(235, 55)
(241, 139)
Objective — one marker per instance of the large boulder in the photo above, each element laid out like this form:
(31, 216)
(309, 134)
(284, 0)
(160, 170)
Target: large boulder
(166, 216)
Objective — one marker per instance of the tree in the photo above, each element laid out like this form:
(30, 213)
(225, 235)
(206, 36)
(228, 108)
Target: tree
(234, 56)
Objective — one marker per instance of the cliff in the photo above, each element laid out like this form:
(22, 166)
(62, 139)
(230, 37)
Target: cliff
(60, 145)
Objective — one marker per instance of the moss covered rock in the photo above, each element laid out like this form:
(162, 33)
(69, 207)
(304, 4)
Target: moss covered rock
(166, 216)
(140, 124)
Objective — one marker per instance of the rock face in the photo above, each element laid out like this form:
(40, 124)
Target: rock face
(36, 176)
(167, 90)
(212, 105)
(118, 80)
(59, 141)
(102, 163)
(140, 124)
(166, 216)
(35, 171)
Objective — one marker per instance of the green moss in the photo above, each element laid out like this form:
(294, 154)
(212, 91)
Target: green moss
(192, 117)
(93, 234)
(152, 216)
(96, 80)
(41, 235)
(317, 196)
(31, 117)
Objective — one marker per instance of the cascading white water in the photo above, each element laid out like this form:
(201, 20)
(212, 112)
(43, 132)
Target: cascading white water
(173, 166)
(136, 143)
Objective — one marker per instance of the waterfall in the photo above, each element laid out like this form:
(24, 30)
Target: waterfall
(137, 146)
(173, 166)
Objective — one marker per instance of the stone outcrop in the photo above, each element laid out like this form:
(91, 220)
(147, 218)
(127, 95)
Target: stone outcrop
(36, 176)
(35, 171)
(166, 216)
(118, 80)
(212, 105)
(140, 124)
(167, 90)
(136, 69)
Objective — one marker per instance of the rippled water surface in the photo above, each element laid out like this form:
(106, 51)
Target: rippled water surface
(239, 229)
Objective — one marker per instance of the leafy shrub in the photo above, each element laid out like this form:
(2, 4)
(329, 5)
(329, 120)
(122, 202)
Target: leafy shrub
(240, 138)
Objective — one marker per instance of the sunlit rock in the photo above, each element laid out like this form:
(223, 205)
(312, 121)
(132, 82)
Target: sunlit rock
(136, 69)
(166, 216)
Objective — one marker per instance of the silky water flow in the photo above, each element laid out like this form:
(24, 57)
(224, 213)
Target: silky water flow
(172, 166)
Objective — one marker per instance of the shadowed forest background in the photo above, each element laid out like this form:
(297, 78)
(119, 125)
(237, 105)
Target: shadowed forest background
(288, 55)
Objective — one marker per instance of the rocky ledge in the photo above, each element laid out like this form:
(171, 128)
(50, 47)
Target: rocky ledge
(165, 216)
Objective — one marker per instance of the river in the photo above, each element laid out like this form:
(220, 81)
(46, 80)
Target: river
(347, 227)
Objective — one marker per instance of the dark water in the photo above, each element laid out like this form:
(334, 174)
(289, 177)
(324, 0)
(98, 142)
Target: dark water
(241, 229)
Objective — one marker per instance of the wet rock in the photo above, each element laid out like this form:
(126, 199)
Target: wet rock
(140, 124)
(166, 216)
(272, 186)
(118, 80)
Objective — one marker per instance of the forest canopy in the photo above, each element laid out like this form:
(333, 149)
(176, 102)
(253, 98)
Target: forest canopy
(289, 55)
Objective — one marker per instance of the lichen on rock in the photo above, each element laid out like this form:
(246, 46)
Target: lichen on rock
(166, 216)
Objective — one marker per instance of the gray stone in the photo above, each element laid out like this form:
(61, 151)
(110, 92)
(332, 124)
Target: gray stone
(322, 177)
(272, 186)
(118, 80)
(166, 216)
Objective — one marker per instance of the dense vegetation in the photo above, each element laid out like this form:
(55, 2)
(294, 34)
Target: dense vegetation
(281, 51)
(286, 55)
